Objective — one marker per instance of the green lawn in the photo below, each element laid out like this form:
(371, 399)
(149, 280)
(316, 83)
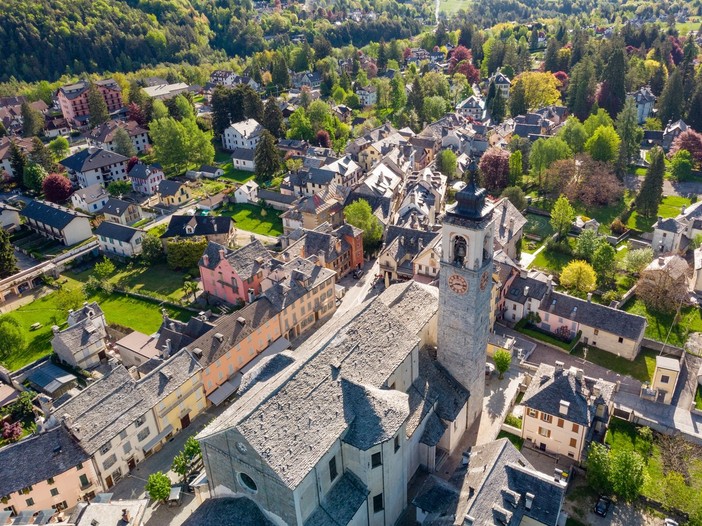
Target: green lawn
(551, 261)
(574, 522)
(538, 225)
(538, 335)
(140, 315)
(603, 215)
(453, 6)
(254, 218)
(659, 324)
(669, 207)
(240, 176)
(641, 368)
(517, 442)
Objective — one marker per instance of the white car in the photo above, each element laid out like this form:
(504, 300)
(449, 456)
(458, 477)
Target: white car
(489, 369)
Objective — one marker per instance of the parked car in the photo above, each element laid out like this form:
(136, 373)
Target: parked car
(670, 522)
(603, 505)
(358, 273)
(175, 497)
(191, 478)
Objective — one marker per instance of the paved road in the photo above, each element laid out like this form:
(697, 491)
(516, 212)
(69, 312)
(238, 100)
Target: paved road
(358, 290)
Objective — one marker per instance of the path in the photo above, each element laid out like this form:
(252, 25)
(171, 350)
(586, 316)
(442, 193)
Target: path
(527, 259)
(357, 290)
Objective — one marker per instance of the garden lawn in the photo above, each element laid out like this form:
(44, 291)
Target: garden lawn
(641, 368)
(240, 176)
(669, 207)
(517, 442)
(141, 315)
(551, 261)
(604, 214)
(538, 225)
(659, 324)
(453, 6)
(249, 217)
(538, 335)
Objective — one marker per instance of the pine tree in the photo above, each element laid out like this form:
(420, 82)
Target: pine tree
(551, 56)
(41, 155)
(630, 134)
(671, 100)
(266, 157)
(253, 105)
(220, 114)
(613, 89)
(8, 262)
(273, 118)
(398, 95)
(581, 89)
(694, 114)
(280, 74)
(658, 80)
(32, 120)
(651, 191)
(497, 111)
(415, 100)
(517, 100)
(123, 143)
(687, 67)
(382, 61)
(18, 160)
(97, 108)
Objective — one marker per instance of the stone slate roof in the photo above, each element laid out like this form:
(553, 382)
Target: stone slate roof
(504, 212)
(534, 285)
(116, 207)
(38, 458)
(414, 304)
(401, 243)
(246, 261)
(670, 225)
(202, 226)
(379, 204)
(143, 171)
(81, 335)
(549, 386)
(276, 197)
(166, 378)
(229, 511)
(180, 334)
(433, 431)
(244, 154)
(90, 194)
(111, 230)
(233, 328)
(601, 317)
(301, 276)
(106, 131)
(248, 128)
(169, 187)
(266, 369)
(493, 484)
(341, 502)
(92, 159)
(53, 215)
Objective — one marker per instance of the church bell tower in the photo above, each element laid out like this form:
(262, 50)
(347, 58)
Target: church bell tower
(465, 287)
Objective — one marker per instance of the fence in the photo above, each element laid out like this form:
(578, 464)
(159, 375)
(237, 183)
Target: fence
(655, 345)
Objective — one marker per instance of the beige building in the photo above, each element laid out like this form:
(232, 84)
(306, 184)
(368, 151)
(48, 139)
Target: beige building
(665, 378)
(84, 342)
(565, 410)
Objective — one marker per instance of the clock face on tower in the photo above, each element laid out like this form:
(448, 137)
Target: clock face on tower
(458, 284)
(484, 280)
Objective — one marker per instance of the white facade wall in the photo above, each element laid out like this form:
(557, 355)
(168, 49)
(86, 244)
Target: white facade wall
(77, 230)
(121, 248)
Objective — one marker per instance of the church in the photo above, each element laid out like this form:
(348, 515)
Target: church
(332, 432)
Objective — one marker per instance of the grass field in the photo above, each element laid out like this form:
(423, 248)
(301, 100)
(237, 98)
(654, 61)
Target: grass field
(137, 314)
(231, 173)
(453, 6)
(252, 219)
(641, 368)
(669, 207)
(517, 442)
(659, 324)
(551, 261)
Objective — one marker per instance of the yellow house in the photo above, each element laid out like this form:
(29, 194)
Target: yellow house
(176, 393)
(499, 341)
(665, 378)
(173, 193)
(369, 157)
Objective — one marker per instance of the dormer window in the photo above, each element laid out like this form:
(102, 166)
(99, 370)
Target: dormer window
(189, 229)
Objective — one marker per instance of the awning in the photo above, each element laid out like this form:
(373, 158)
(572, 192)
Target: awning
(225, 390)
(154, 441)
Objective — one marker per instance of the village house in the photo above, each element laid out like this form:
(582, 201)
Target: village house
(368, 96)
(644, 100)
(244, 159)
(122, 212)
(48, 470)
(473, 107)
(56, 127)
(673, 235)
(25, 144)
(11, 112)
(502, 82)
(233, 276)
(218, 229)
(9, 217)
(309, 212)
(247, 193)
(243, 134)
(509, 228)
(84, 342)
(145, 179)
(671, 132)
(116, 239)
(398, 259)
(103, 136)
(73, 99)
(96, 166)
(165, 91)
(90, 199)
(564, 410)
(173, 193)
(56, 222)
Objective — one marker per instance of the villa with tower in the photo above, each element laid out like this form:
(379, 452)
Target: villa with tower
(332, 432)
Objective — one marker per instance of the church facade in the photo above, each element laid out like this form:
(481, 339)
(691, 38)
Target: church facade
(332, 432)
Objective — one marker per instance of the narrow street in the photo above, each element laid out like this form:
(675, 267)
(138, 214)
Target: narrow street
(358, 290)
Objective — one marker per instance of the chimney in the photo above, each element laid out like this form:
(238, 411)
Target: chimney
(559, 368)
(511, 225)
(164, 314)
(251, 295)
(55, 329)
(579, 374)
(241, 320)
(523, 273)
(219, 337)
(221, 253)
(526, 291)
(549, 283)
(420, 244)
(206, 259)
(589, 297)
(529, 501)
(402, 241)
(563, 408)
(166, 349)
(125, 516)
(661, 261)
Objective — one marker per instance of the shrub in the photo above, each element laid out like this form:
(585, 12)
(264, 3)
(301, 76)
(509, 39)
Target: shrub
(514, 421)
(617, 227)
(610, 296)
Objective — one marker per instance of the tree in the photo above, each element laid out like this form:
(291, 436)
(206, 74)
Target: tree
(40, 154)
(123, 143)
(562, 216)
(497, 107)
(158, 486)
(660, 290)
(636, 260)
(184, 253)
(694, 113)
(494, 169)
(651, 192)
(104, 269)
(597, 119)
(630, 134)
(581, 89)
(119, 188)
(151, 250)
(434, 108)
(181, 466)
(586, 243)
(578, 276)
(67, 298)
(515, 167)
(32, 120)
(191, 287)
(604, 263)
(59, 148)
(628, 474)
(517, 100)
(323, 139)
(22, 409)
(681, 165)
(603, 146)
(599, 468)
(299, 125)
(574, 134)
(360, 215)
(540, 89)
(8, 261)
(12, 432)
(97, 108)
(446, 163)
(544, 152)
(34, 176)
(266, 158)
(398, 96)
(56, 188)
(613, 89)
(18, 160)
(516, 196)
(180, 144)
(191, 448)
(502, 359)
(692, 142)
(12, 338)
(671, 103)
(273, 118)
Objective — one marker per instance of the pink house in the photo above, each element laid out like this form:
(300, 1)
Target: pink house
(233, 275)
(145, 179)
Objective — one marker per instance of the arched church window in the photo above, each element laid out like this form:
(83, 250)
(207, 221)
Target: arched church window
(459, 250)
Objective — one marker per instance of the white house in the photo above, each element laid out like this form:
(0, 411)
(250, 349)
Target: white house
(90, 199)
(644, 100)
(119, 240)
(247, 193)
(103, 136)
(9, 216)
(473, 107)
(57, 222)
(368, 95)
(145, 178)
(243, 134)
(84, 342)
(502, 83)
(94, 165)
(244, 159)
